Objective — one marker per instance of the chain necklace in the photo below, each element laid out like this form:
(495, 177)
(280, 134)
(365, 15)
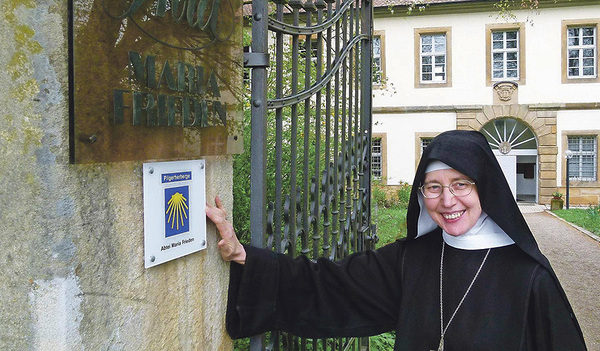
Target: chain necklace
(442, 329)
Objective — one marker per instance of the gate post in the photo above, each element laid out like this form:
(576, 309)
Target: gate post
(258, 147)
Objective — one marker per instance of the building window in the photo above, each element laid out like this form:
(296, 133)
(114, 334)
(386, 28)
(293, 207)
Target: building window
(376, 159)
(422, 140)
(433, 57)
(583, 165)
(424, 143)
(377, 64)
(581, 52)
(379, 79)
(505, 55)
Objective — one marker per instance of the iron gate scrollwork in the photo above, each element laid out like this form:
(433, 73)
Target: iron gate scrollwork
(311, 135)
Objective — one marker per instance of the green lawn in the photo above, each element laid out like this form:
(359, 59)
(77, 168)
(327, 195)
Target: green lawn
(587, 218)
(390, 223)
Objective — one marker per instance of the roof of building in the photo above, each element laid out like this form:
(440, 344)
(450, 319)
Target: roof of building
(435, 3)
(382, 3)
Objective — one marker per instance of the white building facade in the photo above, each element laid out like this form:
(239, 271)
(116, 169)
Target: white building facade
(530, 83)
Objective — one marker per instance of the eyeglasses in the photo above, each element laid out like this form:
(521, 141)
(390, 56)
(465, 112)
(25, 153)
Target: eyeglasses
(457, 188)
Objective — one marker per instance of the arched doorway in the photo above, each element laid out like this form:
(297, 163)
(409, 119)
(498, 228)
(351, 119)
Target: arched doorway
(515, 146)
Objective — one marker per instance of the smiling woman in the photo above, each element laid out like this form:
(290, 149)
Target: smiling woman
(468, 276)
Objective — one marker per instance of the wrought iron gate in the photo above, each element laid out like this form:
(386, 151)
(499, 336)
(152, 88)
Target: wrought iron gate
(311, 134)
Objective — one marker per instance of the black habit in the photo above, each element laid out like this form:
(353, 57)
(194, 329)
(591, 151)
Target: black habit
(516, 303)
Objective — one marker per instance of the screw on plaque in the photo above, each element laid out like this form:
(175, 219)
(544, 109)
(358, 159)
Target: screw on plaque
(89, 138)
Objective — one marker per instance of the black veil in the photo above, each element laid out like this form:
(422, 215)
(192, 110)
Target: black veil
(469, 153)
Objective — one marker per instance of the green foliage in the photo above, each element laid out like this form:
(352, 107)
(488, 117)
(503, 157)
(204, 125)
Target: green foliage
(404, 194)
(586, 218)
(241, 185)
(383, 342)
(379, 197)
(594, 212)
(506, 8)
(241, 344)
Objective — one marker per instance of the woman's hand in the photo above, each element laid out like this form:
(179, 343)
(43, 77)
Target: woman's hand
(229, 246)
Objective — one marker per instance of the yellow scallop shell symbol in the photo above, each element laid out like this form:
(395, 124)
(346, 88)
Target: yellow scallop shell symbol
(177, 210)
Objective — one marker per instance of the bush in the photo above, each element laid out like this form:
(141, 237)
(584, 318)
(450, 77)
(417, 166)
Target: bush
(379, 197)
(404, 194)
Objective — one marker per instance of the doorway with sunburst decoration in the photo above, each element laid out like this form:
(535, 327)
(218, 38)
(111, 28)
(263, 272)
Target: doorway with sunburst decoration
(515, 146)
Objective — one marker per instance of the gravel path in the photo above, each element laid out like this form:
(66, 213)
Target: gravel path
(575, 258)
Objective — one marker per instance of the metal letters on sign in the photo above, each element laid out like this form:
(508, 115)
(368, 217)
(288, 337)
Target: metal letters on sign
(155, 79)
(174, 210)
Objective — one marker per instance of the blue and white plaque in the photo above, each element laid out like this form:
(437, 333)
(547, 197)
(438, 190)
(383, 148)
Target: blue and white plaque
(174, 204)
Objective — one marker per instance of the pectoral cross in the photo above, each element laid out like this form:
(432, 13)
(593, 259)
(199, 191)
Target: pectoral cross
(441, 347)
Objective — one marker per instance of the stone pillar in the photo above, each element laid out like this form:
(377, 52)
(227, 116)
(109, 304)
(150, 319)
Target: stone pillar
(72, 271)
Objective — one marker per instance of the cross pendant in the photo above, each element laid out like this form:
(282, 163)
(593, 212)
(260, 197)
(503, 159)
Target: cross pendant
(441, 347)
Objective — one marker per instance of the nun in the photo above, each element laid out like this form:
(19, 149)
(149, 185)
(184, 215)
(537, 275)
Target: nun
(468, 276)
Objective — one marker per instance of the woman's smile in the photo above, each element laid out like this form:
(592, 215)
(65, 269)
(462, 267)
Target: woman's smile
(453, 216)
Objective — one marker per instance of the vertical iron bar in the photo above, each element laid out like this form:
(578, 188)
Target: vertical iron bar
(278, 134)
(366, 108)
(336, 117)
(308, 7)
(259, 126)
(258, 146)
(357, 134)
(294, 198)
(343, 146)
(327, 172)
(296, 5)
(316, 210)
(351, 205)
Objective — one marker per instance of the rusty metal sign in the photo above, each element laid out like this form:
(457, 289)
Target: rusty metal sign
(155, 79)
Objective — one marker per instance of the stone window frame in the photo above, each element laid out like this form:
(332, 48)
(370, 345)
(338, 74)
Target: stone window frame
(501, 27)
(564, 140)
(565, 24)
(383, 137)
(381, 35)
(419, 136)
(418, 32)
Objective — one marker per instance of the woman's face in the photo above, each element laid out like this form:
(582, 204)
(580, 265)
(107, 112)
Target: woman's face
(454, 214)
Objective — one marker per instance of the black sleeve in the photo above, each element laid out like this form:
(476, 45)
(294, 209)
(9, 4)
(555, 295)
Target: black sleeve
(358, 296)
(553, 325)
